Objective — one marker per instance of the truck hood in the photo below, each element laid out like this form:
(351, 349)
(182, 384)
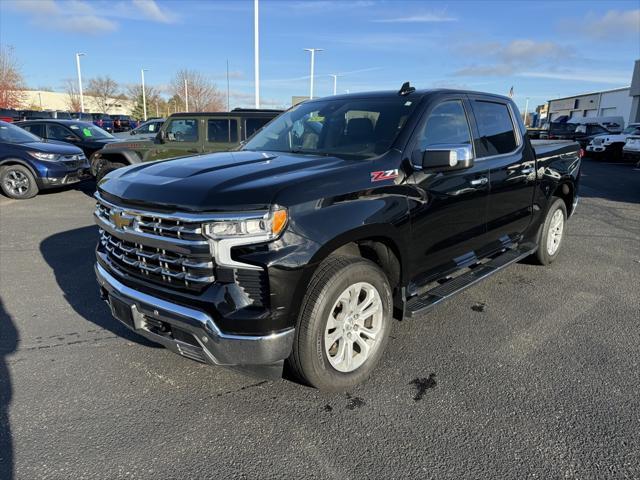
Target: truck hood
(220, 181)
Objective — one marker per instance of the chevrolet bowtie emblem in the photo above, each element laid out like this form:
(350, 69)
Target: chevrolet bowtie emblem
(120, 219)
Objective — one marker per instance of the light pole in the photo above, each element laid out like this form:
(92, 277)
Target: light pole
(144, 95)
(256, 51)
(335, 83)
(78, 55)
(526, 108)
(313, 61)
(186, 96)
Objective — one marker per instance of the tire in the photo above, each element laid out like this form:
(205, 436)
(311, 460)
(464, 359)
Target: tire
(107, 167)
(330, 367)
(18, 182)
(549, 244)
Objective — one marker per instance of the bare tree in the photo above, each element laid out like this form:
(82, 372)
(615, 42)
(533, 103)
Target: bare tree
(104, 90)
(73, 95)
(203, 95)
(12, 84)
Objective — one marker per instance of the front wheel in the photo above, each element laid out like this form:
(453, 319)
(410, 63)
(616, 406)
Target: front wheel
(552, 232)
(344, 324)
(107, 167)
(18, 182)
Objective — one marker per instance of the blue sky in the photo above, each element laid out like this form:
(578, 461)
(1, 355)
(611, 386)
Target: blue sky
(544, 49)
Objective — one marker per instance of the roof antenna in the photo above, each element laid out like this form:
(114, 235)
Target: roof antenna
(406, 89)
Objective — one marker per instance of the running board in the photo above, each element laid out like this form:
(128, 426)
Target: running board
(421, 303)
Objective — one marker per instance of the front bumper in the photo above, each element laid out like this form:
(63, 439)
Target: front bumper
(631, 155)
(65, 179)
(190, 332)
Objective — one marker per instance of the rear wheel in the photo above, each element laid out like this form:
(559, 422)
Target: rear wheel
(18, 182)
(107, 167)
(344, 324)
(552, 232)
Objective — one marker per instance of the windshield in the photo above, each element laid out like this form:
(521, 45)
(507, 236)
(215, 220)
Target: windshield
(354, 127)
(89, 131)
(12, 134)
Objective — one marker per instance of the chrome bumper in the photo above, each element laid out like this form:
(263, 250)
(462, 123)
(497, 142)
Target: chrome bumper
(192, 333)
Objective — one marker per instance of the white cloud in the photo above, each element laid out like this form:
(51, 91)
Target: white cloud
(87, 17)
(428, 17)
(613, 24)
(151, 10)
(619, 79)
(513, 57)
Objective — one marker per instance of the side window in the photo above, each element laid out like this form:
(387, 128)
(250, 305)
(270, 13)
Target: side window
(251, 125)
(58, 132)
(446, 125)
(37, 129)
(183, 130)
(495, 126)
(222, 130)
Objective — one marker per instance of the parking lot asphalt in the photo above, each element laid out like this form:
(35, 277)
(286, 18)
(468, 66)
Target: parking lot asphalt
(534, 373)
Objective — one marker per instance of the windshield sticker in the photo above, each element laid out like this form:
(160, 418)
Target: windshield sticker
(384, 175)
(86, 132)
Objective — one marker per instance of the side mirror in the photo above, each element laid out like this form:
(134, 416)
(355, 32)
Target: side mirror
(160, 137)
(132, 132)
(70, 138)
(447, 157)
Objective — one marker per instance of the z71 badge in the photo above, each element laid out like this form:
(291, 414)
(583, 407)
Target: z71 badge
(384, 175)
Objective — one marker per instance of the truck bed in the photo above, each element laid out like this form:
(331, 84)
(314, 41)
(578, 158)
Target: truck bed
(548, 148)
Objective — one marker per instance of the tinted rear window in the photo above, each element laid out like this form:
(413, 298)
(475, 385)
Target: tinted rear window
(222, 130)
(497, 135)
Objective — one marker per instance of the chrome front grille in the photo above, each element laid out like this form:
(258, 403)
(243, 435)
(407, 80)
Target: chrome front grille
(164, 249)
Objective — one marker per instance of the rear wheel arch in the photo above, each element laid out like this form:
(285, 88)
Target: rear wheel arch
(566, 191)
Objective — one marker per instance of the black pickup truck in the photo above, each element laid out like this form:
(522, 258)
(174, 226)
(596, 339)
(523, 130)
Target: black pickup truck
(337, 217)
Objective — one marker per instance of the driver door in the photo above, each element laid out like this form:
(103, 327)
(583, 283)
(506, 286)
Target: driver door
(183, 138)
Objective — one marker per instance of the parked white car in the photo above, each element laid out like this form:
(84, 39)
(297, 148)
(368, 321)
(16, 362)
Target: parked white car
(147, 130)
(631, 150)
(610, 144)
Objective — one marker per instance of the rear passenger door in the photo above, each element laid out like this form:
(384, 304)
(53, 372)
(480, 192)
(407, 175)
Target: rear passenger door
(182, 138)
(448, 223)
(222, 134)
(502, 148)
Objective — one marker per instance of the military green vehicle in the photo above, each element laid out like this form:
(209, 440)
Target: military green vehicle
(183, 135)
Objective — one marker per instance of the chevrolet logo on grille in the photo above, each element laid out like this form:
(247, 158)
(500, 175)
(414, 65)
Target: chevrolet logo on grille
(120, 219)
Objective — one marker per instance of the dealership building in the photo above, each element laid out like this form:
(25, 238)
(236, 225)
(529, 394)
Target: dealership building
(619, 102)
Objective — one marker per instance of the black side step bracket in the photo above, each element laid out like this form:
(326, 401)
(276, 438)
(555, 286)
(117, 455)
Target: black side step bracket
(421, 303)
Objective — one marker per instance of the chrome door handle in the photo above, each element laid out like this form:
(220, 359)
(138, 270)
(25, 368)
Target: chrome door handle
(479, 181)
(527, 171)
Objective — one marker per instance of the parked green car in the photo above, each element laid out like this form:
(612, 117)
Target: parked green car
(184, 135)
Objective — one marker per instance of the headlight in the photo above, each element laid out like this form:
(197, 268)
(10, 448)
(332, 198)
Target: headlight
(264, 227)
(44, 156)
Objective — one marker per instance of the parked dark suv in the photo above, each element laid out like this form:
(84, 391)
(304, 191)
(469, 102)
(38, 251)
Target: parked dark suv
(84, 135)
(103, 121)
(29, 164)
(122, 123)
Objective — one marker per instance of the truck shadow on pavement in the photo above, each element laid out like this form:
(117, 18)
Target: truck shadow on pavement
(8, 345)
(71, 256)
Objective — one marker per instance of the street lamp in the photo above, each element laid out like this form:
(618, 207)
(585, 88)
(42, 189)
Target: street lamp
(335, 82)
(144, 96)
(78, 55)
(186, 95)
(526, 108)
(313, 60)
(256, 51)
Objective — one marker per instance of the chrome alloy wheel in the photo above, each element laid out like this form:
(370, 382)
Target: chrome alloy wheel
(556, 229)
(353, 327)
(16, 182)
